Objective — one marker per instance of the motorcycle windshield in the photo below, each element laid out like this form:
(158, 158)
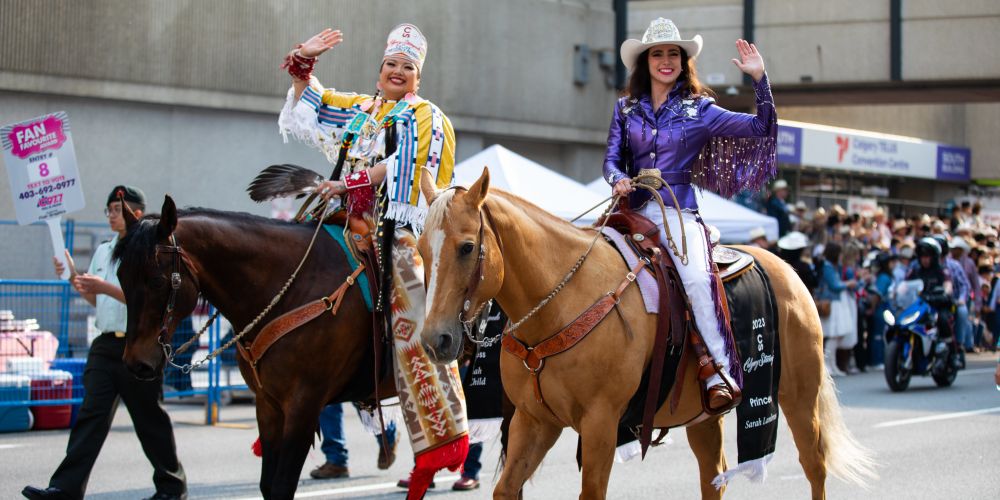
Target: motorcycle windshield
(906, 293)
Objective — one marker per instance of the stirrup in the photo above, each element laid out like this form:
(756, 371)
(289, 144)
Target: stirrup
(729, 386)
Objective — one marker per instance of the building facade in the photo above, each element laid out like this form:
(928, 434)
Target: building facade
(182, 97)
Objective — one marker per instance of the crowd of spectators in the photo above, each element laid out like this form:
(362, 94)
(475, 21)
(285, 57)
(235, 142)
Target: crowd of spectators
(852, 261)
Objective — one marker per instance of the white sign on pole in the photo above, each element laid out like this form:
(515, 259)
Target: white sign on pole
(44, 181)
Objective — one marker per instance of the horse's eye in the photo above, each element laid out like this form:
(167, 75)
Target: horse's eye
(467, 248)
(158, 283)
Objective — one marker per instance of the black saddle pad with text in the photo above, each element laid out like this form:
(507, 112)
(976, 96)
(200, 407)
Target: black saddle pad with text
(754, 322)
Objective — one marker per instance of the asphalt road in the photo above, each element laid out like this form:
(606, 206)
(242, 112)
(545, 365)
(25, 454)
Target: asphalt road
(931, 443)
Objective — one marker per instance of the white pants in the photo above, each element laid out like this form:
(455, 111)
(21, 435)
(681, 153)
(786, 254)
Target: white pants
(696, 276)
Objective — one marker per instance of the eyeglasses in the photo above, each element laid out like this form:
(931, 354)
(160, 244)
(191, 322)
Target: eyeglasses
(116, 210)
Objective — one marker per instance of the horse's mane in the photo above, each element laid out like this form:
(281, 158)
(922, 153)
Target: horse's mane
(138, 243)
(436, 212)
(523, 204)
(242, 217)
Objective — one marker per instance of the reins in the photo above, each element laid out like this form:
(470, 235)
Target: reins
(175, 283)
(648, 179)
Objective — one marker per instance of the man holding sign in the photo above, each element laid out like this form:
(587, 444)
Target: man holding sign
(107, 381)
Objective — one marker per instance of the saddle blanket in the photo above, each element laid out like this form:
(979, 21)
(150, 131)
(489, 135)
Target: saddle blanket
(645, 279)
(337, 233)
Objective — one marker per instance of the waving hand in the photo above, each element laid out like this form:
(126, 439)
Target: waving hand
(321, 42)
(750, 61)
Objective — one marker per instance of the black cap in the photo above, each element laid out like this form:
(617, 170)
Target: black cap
(130, 193)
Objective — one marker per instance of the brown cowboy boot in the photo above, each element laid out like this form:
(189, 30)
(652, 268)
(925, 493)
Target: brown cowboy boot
(718, 398)
(723, 397)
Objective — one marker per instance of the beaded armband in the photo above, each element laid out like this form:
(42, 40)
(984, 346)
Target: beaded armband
(297, 65)
(360, 193)
(358, 179)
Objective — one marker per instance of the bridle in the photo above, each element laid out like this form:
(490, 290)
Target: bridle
(175, 283)
(474, 282)
(177, 255)
(477, 277)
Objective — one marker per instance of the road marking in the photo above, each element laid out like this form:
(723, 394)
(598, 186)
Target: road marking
(230, 425)
(977, 370)
(931, 418)
(357, 489)
(9, 446)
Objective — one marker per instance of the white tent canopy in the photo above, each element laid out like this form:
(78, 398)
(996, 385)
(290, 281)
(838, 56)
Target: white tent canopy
(551, 191)
(734, 221)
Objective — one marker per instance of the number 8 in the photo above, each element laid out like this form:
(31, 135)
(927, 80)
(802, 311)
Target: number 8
(43, 170)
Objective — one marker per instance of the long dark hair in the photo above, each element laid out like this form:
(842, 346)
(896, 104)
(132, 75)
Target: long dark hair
(639, 84)
(832, 253)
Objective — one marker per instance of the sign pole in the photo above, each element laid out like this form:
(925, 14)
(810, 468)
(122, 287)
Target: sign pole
(58, 244)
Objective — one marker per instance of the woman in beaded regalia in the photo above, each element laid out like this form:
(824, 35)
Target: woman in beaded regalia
(667, 124)
(380, 144)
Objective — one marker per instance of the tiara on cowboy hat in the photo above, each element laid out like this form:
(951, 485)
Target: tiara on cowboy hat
(660, 32)
(406, 41)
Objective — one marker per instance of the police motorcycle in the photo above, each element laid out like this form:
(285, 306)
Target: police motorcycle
(915, 344)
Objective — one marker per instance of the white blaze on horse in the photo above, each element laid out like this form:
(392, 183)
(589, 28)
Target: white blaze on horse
(521, 253)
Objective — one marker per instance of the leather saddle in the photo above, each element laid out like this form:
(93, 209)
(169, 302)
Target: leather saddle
(676, 327)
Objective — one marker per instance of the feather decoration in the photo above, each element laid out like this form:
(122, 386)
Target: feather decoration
(278, 181)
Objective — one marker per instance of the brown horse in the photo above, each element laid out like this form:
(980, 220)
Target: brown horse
(238, 262)
(526, 252)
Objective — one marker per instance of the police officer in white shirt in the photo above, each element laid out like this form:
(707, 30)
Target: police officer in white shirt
(107, 381)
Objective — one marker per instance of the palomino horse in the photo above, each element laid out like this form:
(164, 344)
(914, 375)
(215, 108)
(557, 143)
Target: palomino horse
(238, 262)
(523, 252)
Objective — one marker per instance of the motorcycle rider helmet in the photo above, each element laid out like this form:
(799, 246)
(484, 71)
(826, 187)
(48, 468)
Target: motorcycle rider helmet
(942, 243)
(928, 246)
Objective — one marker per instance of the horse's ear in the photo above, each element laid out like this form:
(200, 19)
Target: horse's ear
(168, 218)
(481, 187)
(427, 186)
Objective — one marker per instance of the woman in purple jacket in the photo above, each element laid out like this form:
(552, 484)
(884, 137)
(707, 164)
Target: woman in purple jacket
(668, 122)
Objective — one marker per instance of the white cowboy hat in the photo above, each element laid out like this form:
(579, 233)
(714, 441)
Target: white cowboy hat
(757, 232)
(960, 242)
(779, 184)
(793, 241)
(660, 32)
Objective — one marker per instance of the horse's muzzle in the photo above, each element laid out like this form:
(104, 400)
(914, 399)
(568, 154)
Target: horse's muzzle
(143, 369)
(444, 346)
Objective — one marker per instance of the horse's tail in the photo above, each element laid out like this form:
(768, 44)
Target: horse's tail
(846, 458)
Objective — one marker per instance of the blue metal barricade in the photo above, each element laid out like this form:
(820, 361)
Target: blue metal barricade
(45, 330)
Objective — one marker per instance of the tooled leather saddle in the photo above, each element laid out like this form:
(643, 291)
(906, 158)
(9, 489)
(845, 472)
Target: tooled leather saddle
(676, 330)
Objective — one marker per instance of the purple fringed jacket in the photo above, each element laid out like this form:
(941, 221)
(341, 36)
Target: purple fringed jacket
(693, 141)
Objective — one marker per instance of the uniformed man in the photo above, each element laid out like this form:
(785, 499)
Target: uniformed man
(107, 381)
